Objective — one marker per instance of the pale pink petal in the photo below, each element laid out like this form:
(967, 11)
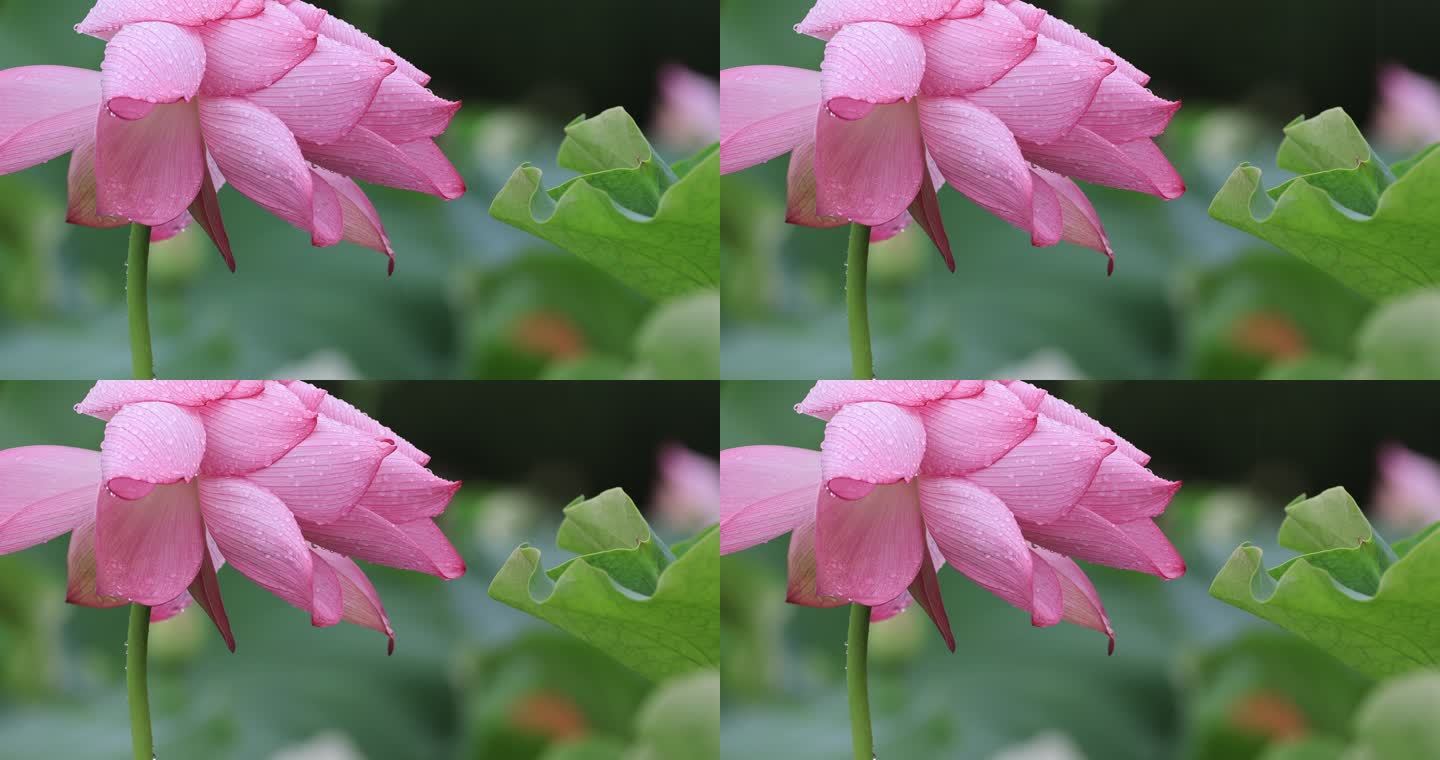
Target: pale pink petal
(1084, 155)
(361, 603)
(967, 434)
(765, 112)
(259, 537)
(687, 492)
(341, 411)
(979, 157)
(245, 434)
(341, 31)
(1123, 491)
(149, 444)
(1060, 410)
(247, 54)
(404, 111)
(830, 16)
(1082, 534)
(1082, 602)
(765, 492)
(81, 187)
(419, 167)
(1124, 110)
(1047, 94)
(800, 576)
(869, 170)
(868, 551)
(828, 397)
(80, 586)
(45, 492)
(151, 64)
(325, 476)
(403, 491)
(109, 396)
(325, 96)
(360, 222)
(870, 444)
(259, 158)
(978, 536)
(870, 64)
(206, 211)
(110, 15)
(1408, 492)
(1408, 114)
(149, 170)
(49, 110)
(968, 54)
(1061, 31)
(148, 550)
(1081, 225)
(418, 546)
(1043, 478)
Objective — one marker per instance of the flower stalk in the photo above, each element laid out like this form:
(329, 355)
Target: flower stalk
(137, 682)
(857, 680)
(137, 295)
(857, 308)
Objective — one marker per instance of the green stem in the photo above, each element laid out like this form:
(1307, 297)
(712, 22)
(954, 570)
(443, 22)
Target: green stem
(137, 293)
(136, 682)
(858, 680)
(856, 305)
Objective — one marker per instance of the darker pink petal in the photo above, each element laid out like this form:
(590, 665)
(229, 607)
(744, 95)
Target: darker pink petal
(1047, 94)
(149, 170)
(359, 602)
(403, 491)
(359, 221)
(765, 112)
(150, 549)
(325, 476)
(243, 435)
(800, 192)
(968, 54)
(148, 444)
(765, 492)
(404, 111)
(1082, 154)
(1080, 224)
(1043, 478)
(978, 155)
(206, 211)
(247, 54)
(81, 191)
(80, 560)
(868, 170)
(800, 576)
(1123, 491)
(967, 434)
(870, 444)
(151, 64)
(1082, 534)
(325, 96)
(1124, 110)
(259, 537)
(45, 492)
(1082, 602)
(870, 64)
(259, 157)
(868, 551)
(362, 534)
(365, 155)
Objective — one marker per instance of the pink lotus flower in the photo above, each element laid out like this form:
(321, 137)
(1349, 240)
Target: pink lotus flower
(689, 110)
(995, 97)
(1408, 116)
(688, 494)
(276, 97)
(1000, 480)
(282, 481)
(1408, 492)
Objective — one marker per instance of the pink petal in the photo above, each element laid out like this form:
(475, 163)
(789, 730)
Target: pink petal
(341, 31)
(869, 170)
(926, 212)
(765, 492)
(248, 54)
(403, 491)
(148, 64)
(80, 588)
(110, 15)
(171, 609)
(979, 157)
(800, 577)
(149, 170)
(1043, 478)
(206, 591)
(110, 396)
(327, 218)
(49, 110)
(325, 96)
(259, 537)
(1061, 31)
(978, 536)
(419, 167)
(148, 444)
(1081, 225)
(1124, 491)
(148, 550)
(324, 477)
(259, 157)
(81, 181)
(868, 551)
(245, 434)
(361, 604)
(968, 54)
(870, 444)
(1045, 96)
(45, 492)
(359, 221)
(830, 396)
(765, 112)
(1408, 492)
(1082, 534)
(967, 434)
(327, 598)
(830, 16)
(926, 591)
(1138, 166)
(870, 64)
(1082, 602)
(172, 229)
(1060, 410)
(341, 411)
(404, 111)
(1124, 110)
(206, 211)
(362, 534)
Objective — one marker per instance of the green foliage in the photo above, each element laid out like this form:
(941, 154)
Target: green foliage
(1373, 228)
(1348, 593)
(652, 608)
(653, 227)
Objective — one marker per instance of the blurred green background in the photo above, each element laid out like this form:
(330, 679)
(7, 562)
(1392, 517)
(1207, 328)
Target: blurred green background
(1191, 678)
(471, 679)
(471, 297)
(1190, 298)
